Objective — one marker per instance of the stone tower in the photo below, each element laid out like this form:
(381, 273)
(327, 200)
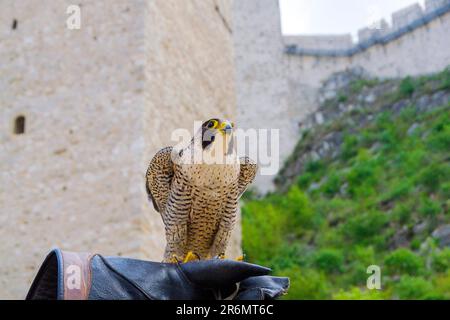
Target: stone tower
(261, 82)
(83, 111)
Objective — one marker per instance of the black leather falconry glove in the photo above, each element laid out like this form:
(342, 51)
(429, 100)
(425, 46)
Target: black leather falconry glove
(68, 276)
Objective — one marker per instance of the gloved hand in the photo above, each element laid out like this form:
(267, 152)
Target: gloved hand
(124, 278)
(262, 288)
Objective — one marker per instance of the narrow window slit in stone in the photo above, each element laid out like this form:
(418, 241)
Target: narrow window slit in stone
(14, 24)
(19, 125)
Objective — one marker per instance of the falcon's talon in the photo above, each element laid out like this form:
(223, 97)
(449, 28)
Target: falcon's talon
(191, 256)
(240, 258)
(174, 259)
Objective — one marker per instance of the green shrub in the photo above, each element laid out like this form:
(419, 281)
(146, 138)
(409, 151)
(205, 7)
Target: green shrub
(383, 121)
(368, 138)
(363, 227)
(429, 208)
(408, 114)
(403, 262)
(296, 206)
(390, 140)
(407, 87)
(402, 212)
(365, 255)
(364, 169)
(359, 294)
(439, 140)
(415, 244)
(329, 260)
(444, 77)
(440, 122)
(289, 255)
(411, 160)
(332, 185)
(432, 176)
(314, 166)
(264, 227)
(342, 98)
(398, 189)
(363, 176)
(304, 180)
(358, 85)
(412, 288)
(349, 147)
(441, 284)
(355, 275)
(330, 237)
(359, 258)
(306, 284)
(441, 260)
(445, 190)
(333, 208)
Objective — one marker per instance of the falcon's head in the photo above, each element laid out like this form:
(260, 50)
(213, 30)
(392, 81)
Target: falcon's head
(211, 157)
(214, 142)
(216, 131)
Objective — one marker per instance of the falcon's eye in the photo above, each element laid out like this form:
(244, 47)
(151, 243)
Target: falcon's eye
(212, 124)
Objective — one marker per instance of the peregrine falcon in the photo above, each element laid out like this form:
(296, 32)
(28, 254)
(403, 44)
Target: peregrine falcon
(196, 189)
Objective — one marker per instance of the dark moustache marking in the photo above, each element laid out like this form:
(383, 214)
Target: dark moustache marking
(207, 140)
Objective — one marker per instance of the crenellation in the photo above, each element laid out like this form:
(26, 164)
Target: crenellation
(404, 17)
(377, 30)
(380, 32)
(433, 5)
(320, 42)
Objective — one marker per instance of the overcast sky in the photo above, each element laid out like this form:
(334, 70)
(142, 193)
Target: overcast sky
(335, 16)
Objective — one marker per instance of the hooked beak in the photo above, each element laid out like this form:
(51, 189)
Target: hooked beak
(226, 127)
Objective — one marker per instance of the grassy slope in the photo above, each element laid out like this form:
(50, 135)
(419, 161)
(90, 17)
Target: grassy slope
(384, 183)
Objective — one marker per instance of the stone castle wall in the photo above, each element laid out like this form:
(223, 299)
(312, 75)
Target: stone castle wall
(416, 43)
(98, 103)
(261, 82)
(422, 50)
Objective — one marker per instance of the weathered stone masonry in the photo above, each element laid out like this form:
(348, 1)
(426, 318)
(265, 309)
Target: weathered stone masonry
(97, 104)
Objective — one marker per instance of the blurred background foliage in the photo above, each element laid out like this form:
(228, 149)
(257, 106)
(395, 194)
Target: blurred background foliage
(390, 181)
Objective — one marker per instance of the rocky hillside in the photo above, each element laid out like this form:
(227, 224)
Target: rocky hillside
(351, 101)
(368, 184)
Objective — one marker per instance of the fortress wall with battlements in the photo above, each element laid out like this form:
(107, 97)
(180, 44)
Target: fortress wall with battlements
(416, 43)
(98, 103)
(322, 42)
(422, 50)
